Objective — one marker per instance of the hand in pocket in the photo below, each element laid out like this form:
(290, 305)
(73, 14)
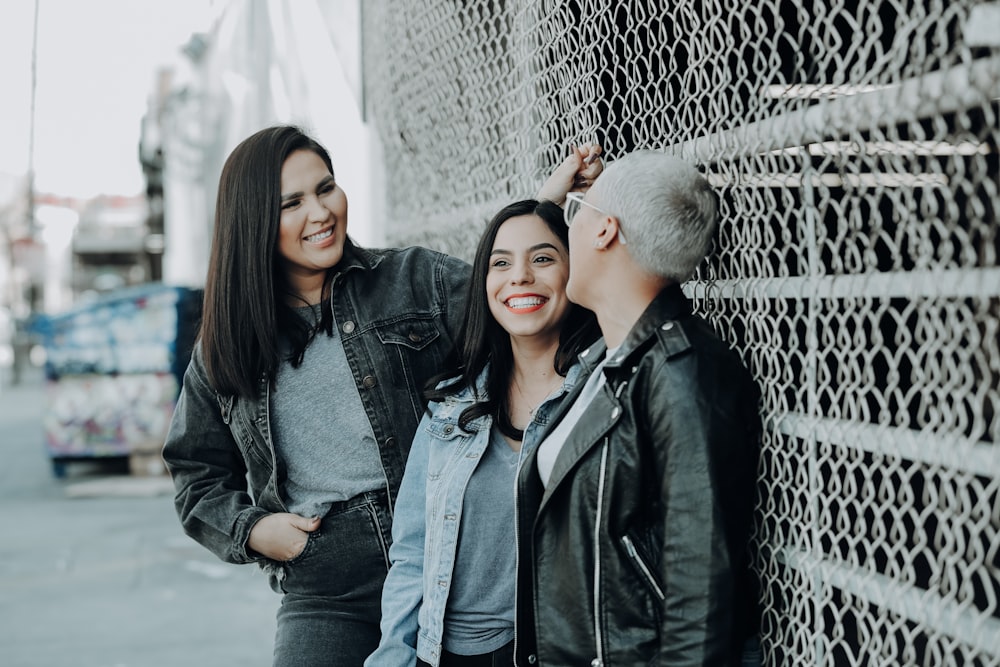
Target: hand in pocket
(281, 536)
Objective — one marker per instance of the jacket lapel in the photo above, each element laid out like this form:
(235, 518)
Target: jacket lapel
(594, 423)
(606, 409)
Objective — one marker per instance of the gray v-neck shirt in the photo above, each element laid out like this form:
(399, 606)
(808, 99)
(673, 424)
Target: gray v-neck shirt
(321, 431)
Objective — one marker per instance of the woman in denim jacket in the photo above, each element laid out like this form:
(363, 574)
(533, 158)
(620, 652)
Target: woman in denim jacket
(291, 432)
(449, 598)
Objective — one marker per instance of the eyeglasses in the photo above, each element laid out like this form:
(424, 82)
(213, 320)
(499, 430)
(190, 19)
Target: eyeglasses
(573, 203)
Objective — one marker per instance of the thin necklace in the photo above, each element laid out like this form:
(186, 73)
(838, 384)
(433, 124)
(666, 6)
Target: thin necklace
(532, 408)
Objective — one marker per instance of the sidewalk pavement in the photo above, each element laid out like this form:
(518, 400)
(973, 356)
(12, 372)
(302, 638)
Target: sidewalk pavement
(95, 570)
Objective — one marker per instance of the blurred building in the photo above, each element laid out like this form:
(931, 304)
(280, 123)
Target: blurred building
(111, 245)
(260, 63)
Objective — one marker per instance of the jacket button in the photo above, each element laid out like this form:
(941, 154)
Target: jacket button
(369, 381)
(615, 413)
(596, 662)
(448, 429)
(532, 659)
(348, 327)
(414, 337)
(667, 326)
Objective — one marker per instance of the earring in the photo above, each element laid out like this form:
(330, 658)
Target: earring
(597, 244)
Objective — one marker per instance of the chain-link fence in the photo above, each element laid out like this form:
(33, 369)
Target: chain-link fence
(855, 147)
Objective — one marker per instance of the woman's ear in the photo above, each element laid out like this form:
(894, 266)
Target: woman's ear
(609, 232)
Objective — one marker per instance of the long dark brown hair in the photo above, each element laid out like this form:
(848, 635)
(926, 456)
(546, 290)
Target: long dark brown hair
(245, 313)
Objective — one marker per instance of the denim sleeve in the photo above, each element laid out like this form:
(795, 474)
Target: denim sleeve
(402, 593)
(208, 471)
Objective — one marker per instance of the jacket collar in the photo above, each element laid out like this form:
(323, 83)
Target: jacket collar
(466, 395)
(356, 257)
(670, 304)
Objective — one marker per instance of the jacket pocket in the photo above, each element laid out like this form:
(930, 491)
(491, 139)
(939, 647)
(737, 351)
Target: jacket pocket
(642, 567)
(412, 349)
(413, 333)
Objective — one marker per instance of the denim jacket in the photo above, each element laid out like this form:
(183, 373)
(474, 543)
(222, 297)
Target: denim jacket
(398, 311)
(426, 524)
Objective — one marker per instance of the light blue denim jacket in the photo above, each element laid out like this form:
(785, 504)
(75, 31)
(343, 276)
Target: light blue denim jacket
(427, 518)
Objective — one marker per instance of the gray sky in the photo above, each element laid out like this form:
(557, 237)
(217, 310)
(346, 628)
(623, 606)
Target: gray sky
(96, 67)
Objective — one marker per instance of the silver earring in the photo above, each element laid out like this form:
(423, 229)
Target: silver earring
(597, 244)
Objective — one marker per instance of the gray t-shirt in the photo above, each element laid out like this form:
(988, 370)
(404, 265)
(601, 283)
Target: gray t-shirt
(321, 431)
(479, 617)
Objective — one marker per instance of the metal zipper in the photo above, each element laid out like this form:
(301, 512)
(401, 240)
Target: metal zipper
(643, 568)
(517, 540)
(598, 638)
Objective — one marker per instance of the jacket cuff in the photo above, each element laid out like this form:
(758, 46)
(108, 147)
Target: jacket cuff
(245, 521)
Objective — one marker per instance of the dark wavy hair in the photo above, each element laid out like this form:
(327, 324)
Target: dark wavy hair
(245, 311)
(482, 341)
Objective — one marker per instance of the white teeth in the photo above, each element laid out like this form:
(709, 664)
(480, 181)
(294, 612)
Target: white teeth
(525, 302)
(320, 236)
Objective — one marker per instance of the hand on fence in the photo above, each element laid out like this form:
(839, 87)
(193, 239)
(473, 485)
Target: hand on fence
(576, 173)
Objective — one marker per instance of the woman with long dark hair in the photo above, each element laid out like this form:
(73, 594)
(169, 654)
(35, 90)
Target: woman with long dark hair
(291, 433)
(449, 597)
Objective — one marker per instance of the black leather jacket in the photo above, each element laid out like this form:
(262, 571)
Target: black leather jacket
(637, 552)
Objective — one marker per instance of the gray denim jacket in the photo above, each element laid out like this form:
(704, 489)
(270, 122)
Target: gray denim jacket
(399, 312)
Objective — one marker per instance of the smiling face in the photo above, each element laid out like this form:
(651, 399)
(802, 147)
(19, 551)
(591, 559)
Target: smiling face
(313, 222)
(526, 281)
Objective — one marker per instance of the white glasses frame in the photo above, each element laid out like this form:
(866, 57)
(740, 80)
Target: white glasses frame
(573, 202)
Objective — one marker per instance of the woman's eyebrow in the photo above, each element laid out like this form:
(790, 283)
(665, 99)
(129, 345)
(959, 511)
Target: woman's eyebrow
(296, 195)
(537, 246)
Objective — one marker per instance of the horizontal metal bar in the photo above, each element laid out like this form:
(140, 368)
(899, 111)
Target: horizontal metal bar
(915, 148)
(948, 451)
(934, 613)
(928, 96)
(862, 180)
(951, 283)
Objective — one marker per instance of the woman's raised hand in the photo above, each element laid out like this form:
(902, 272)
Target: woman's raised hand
(576, 173)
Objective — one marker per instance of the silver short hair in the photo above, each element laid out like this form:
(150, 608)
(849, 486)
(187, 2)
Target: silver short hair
(667, 210)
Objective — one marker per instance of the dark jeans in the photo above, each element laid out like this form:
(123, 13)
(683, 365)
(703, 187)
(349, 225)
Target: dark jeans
(502, 657)
(331, 606)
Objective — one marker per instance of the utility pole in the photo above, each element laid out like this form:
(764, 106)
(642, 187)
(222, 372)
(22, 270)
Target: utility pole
(33, 288)
(22, 340)
(31, 126)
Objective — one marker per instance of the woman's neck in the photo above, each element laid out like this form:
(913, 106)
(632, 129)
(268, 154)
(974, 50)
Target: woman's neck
(310, 289)
(534, 361)
(533, 378)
